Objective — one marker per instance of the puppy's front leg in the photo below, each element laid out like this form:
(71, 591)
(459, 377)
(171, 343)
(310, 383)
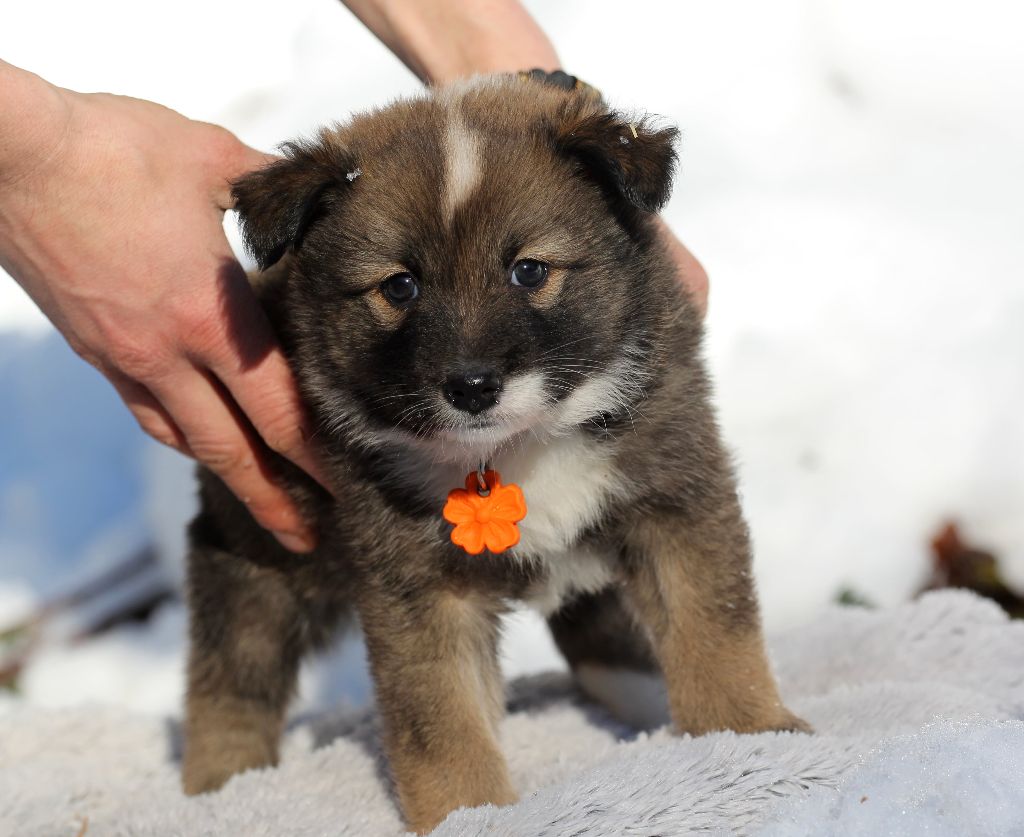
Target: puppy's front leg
(248, 633)
(690, 585)
(439, 690)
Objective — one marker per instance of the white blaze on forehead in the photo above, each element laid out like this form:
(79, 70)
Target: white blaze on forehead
(463, 159)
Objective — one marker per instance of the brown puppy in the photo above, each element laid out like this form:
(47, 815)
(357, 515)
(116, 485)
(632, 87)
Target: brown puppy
(474, 276)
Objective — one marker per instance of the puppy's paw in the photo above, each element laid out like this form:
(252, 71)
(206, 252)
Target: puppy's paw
(792, 723)
(208, 772)
(423, 822)
(426, 801)
(197, 779)
(743, 718)
(780, 719)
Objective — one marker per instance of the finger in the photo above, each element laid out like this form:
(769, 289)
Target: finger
(220, 439)
(250, 364)
(691, 272)
(149, 413)
(268, 396)
(239, 160)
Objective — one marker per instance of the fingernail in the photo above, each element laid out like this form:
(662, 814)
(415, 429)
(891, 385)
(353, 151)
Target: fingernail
(293, 542)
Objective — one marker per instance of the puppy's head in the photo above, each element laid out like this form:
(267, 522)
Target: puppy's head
(469, 267)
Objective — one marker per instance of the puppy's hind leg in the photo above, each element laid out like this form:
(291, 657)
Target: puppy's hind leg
(611, 657)
(247, 638)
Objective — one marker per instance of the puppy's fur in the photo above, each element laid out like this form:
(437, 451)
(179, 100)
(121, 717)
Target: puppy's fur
(634, 544)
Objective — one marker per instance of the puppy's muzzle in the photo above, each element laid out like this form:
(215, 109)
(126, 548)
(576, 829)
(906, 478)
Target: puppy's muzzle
(473, 391)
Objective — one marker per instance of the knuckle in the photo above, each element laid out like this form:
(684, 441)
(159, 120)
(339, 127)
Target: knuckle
(226, 458)
(282, 434)
(84, 351)
(138, 358)
(201, 327)
(158, 429)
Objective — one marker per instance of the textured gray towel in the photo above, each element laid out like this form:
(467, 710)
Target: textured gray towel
(917, 710)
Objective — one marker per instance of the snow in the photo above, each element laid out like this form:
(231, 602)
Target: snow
(949, 780)
(851, 173)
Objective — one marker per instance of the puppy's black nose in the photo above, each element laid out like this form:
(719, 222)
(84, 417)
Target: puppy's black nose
(474, 391)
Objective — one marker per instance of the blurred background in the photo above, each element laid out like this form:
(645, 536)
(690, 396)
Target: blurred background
(851, 178)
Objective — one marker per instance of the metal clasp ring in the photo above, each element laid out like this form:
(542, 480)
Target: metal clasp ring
(481, 483)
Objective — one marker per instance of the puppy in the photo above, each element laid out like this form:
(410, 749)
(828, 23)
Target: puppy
(466, 281)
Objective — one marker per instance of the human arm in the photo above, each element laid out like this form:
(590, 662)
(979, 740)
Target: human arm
(444, 40)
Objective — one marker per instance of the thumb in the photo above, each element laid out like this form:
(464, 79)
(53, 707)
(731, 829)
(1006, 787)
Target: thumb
(249, 159)
(240, 161)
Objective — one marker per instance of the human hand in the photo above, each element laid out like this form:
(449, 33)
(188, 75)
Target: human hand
(112, 222)
(691, 272)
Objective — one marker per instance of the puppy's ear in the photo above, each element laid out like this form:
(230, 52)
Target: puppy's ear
(632, 158)
(278, 203)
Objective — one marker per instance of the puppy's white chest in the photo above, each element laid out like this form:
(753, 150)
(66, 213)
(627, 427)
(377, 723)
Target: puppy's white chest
(567, 484)
(580, 569)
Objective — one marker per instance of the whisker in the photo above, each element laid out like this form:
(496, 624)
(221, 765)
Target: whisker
(562, 346)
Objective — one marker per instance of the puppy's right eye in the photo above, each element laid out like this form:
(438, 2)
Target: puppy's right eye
(400, 290)
(529, 273)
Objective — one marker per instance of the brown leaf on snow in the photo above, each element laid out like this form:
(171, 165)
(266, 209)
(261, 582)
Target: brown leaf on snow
(958, 565)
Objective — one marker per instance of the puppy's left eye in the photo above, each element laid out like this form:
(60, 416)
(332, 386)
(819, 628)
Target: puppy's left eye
(529, 273)
(400, 290)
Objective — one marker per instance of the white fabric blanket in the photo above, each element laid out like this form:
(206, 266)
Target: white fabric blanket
(917, 711)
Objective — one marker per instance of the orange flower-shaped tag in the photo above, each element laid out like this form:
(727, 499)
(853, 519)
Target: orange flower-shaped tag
(485, 522)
